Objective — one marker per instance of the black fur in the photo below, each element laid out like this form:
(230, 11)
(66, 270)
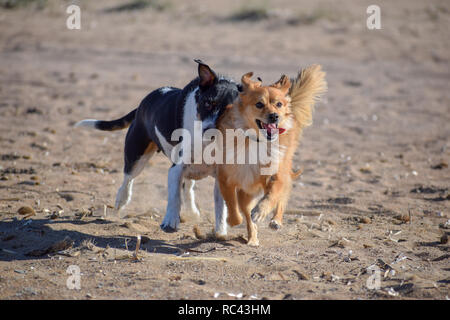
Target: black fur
(117, 124)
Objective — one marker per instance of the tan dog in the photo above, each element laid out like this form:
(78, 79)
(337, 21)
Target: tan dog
(277, 113)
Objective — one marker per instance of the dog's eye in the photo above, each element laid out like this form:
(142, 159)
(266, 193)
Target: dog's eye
(259, 105)
(279, 104)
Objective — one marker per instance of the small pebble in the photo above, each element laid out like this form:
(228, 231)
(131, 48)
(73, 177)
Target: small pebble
(365, 220)
(403, 218)
(26, 211)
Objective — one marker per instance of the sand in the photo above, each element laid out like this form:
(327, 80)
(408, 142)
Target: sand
(375, 186)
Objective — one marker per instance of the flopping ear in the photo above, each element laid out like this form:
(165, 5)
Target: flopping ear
(248, 83)
(207, 76)
(284, 84)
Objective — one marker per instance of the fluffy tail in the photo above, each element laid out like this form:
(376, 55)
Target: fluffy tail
(113, 125)
(304, 93)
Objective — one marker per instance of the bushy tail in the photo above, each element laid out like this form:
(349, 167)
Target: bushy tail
(113, 125)
(305, 91)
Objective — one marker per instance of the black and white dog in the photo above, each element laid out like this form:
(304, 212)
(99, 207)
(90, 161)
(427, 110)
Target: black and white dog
(151, 126)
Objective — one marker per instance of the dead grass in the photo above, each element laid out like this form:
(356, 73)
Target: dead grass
(13, 4)
(251, 12)
(311, 17)
(135, 5)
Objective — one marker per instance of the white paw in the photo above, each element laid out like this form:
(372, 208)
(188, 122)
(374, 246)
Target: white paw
(221, 232)
(171, 222)
(124, 193)
(122, 198)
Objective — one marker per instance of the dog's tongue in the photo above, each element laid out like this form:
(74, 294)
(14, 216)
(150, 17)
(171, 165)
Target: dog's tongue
(272, 128)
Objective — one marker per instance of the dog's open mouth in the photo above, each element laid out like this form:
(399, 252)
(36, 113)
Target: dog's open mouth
(272, 129)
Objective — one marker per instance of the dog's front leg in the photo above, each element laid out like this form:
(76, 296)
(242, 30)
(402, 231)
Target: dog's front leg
(172, 217)
(273, 193)
(245, 201)
(220, 210)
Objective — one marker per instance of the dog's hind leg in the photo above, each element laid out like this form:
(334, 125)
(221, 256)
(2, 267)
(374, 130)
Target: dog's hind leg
(245, 201)
(228, 192)
(189, 197)
(124, 193)
(277, 219)
(138, 151)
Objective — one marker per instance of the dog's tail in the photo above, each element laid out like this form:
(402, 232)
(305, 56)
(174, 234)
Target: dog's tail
(112, 125)
(296, 174)
(305, 91)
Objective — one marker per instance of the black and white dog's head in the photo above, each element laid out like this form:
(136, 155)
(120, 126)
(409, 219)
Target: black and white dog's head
(214, 95)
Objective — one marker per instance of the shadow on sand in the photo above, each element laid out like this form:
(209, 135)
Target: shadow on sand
(21, 239)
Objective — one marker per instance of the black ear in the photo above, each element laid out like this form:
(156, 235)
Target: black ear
(207, 76)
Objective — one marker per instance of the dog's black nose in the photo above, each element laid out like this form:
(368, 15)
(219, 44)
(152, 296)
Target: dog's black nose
(273, 117)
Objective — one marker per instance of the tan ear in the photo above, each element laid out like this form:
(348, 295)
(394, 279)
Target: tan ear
(284, 84)
(248, 83)
(278, 83)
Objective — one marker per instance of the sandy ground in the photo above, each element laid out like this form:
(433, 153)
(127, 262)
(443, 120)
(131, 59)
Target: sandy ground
(375, 187)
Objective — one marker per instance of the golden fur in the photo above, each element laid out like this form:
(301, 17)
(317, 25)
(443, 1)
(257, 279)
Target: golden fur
(242, 184)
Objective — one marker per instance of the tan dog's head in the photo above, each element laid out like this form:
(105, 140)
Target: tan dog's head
(266, 108)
